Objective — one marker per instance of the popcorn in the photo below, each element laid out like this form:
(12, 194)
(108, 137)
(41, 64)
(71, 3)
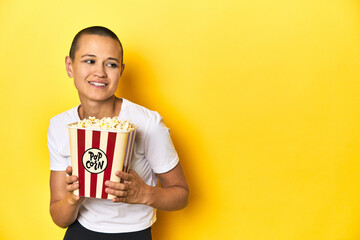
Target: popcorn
(98, 149)
(105, 123)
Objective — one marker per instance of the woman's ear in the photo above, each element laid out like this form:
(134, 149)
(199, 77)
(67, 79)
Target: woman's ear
(122, 69)
(68, 65)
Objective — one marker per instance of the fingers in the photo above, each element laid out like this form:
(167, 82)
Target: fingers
(117, 185)
(117, 193)
(71, 179)
(71, 184)
(74, 200)
(123, 175)
(69, 170)
(72, 187)
(119, 190)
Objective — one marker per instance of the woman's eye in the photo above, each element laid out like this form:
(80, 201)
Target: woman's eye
(113, 65)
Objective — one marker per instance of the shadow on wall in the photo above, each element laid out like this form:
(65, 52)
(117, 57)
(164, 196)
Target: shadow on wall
(138, 84)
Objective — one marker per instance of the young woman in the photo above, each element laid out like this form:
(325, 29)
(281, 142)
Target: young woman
(96, 64)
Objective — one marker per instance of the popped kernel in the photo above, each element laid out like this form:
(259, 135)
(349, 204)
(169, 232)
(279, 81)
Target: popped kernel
(105, 123)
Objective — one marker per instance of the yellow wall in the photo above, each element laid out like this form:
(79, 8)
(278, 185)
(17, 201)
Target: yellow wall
(262, 98)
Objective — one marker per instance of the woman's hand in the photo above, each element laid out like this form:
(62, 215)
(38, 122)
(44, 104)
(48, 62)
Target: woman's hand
(132, 190)
(64, 205)
(172, 195)
(71, 186)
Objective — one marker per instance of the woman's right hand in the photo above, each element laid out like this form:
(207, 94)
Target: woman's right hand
(64, 204)
(71, 185)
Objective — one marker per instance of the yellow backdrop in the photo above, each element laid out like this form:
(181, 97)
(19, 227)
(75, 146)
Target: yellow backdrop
(262, 98)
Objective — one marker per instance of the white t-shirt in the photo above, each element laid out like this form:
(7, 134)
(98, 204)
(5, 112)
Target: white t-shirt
(153, 153)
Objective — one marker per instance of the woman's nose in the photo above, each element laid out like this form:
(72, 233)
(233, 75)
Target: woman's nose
(99, 71)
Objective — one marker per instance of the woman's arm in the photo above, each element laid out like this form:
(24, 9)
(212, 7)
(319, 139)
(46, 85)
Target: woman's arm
(64, 205)
(172, 195)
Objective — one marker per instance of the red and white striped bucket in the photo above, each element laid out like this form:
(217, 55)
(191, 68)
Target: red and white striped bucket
(96, 155)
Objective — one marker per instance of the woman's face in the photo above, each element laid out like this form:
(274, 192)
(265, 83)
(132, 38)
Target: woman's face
(96, 67)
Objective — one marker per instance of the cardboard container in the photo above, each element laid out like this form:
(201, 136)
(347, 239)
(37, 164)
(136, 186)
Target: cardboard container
(96, 155)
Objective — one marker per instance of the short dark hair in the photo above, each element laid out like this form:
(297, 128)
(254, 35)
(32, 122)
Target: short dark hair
(94, 30)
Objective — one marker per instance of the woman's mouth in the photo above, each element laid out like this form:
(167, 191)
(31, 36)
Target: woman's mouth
(98, 84)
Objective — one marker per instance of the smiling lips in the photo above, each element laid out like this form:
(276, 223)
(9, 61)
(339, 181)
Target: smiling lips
(98, 84)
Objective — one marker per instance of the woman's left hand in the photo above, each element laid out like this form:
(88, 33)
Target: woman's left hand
(132, 190)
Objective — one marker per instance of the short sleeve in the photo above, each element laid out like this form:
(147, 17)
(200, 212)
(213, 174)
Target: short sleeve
(159, 148)
(57, 161)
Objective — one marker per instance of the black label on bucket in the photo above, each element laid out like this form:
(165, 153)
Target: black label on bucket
(94, 160)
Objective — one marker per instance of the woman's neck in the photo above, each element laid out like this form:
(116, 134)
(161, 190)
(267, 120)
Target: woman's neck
(109, 108)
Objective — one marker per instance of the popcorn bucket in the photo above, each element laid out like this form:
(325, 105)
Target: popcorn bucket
(96, 155)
